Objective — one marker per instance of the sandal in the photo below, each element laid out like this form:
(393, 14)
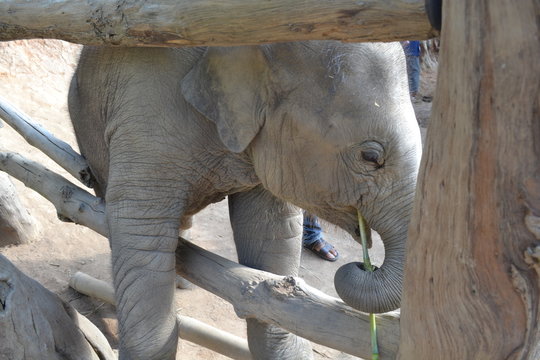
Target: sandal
(324, 251)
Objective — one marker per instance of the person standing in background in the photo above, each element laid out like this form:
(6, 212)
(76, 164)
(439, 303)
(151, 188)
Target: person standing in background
(412, 53)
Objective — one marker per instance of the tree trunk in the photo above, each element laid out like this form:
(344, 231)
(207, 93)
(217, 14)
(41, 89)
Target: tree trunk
(471, 286)
(35, 324)
(17, 226)
(212, 22)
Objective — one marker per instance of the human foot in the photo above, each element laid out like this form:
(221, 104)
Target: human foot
(324, 249)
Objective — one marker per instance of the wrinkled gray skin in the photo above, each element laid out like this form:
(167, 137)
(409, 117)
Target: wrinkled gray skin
(325, 126)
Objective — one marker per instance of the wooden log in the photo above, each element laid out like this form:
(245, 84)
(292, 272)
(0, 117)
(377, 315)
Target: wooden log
(189, 329)
(78, 205)
(217, 340)
(287, 302)
(472, 280)
(59, 151)
(17, 226)
(90, 286)
(36, 324)
(212, 22)
(284, 301)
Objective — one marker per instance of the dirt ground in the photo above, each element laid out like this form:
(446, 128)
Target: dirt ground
(34, 76)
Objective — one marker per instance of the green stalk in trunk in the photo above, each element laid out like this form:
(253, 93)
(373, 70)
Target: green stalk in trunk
(365, 235)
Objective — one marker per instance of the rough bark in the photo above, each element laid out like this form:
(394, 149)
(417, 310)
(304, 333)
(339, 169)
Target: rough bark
(286, 302)
(17, 226)
(212, 22)
(35, 324)
(473, 265)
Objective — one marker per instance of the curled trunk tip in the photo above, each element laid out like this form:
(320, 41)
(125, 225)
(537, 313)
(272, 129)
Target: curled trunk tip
(370, 292)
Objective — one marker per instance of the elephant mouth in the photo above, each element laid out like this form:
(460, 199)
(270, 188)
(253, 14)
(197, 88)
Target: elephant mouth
(357, 237)
(346, 219)
(362, 267)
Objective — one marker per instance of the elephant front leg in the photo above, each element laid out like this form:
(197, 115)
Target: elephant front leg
(267, 233)
(143, 218)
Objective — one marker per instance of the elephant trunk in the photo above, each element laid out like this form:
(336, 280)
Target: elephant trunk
(378, 291)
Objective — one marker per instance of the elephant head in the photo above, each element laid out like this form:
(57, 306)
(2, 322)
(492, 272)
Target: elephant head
(330, 128)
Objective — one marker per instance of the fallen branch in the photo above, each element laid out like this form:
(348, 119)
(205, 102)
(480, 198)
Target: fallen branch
(211, 22)
(58, 150)
(217, 340)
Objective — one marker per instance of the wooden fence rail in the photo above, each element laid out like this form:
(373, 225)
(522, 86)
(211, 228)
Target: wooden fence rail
(213, 22)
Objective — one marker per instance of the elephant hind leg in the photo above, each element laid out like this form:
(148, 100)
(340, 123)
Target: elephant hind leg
(277, 344)
(267, 233)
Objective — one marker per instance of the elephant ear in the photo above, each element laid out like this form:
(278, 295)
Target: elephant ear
(228, 86)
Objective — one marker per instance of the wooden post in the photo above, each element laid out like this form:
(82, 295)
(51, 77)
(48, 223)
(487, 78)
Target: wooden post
(471, 286)
(212, 22)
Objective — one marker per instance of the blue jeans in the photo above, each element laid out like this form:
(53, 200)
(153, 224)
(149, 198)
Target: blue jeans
(413, 70)
(312, 230)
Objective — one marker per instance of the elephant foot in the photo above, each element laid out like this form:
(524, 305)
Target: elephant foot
(149, 346)
(269, 342)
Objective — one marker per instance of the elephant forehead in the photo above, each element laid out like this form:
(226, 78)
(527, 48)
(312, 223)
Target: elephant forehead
(343, 123)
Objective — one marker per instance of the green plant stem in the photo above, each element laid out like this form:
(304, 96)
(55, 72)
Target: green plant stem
(374, 344)
(365, 235)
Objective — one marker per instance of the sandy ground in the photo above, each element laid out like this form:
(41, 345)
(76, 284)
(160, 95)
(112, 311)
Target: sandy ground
(34, 76)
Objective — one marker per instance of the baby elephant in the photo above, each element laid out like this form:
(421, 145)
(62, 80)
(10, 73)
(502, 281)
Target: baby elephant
(324, 126)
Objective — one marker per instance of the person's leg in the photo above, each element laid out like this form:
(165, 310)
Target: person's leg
(312, 230)
(312, 239)
(413, 73)
(410, 72)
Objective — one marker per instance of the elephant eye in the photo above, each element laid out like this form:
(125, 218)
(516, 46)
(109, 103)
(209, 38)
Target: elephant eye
(373, 152)
(365, 157)
(371, 156)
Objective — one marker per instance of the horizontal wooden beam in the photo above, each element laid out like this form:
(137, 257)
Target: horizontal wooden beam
(287, 302)
(213, 22)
